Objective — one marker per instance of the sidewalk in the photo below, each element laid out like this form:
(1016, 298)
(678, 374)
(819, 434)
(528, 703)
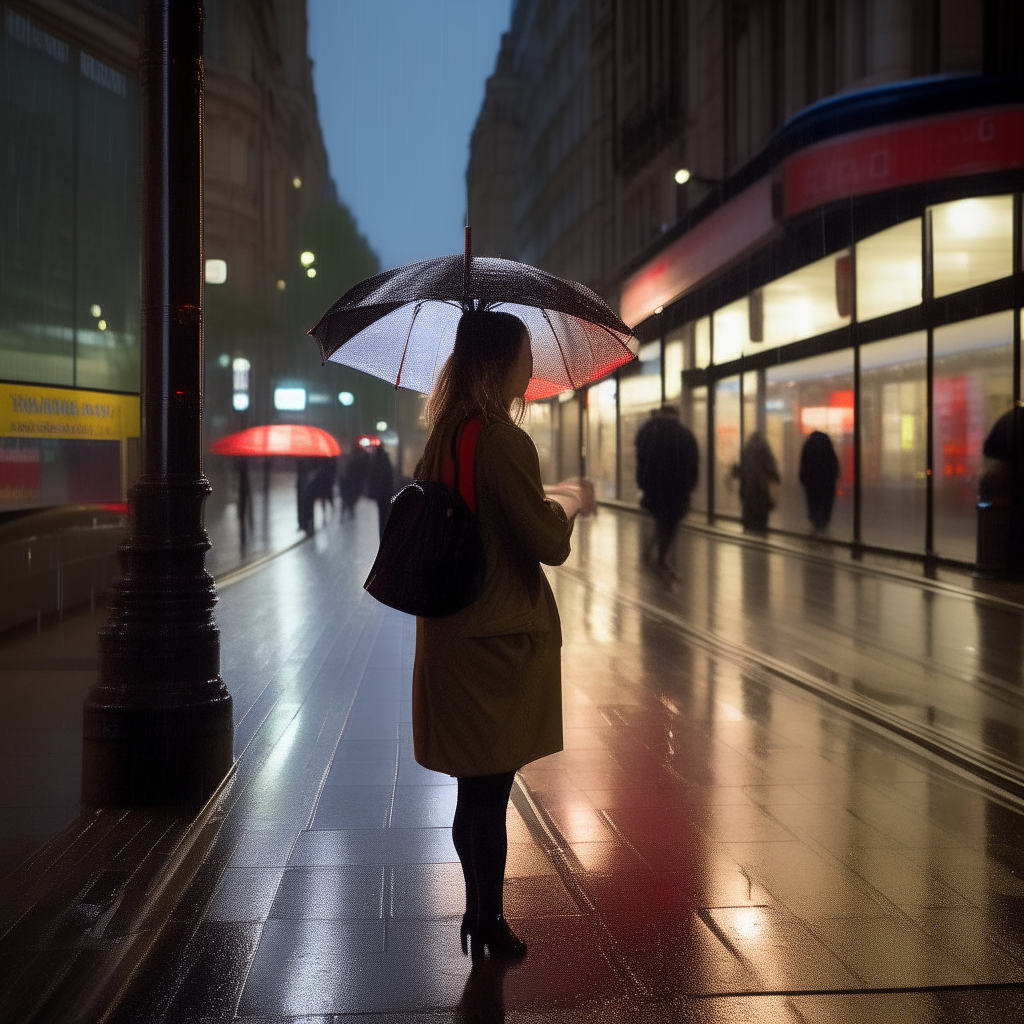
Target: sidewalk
(45, 676)
(714, 844)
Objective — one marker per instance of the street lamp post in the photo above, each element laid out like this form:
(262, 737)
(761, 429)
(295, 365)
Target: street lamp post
(158, 724)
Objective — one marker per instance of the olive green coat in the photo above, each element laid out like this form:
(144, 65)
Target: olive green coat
(487, 686)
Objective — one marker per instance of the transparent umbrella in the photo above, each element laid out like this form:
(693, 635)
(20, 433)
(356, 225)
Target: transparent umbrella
(400, 325)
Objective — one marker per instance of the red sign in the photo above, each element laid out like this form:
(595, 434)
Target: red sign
(714, 242)
(906, 154)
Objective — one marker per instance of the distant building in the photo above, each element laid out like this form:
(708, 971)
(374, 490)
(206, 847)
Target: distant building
(69, 220)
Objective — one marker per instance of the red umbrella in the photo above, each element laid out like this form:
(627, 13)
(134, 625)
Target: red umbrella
(293, 439)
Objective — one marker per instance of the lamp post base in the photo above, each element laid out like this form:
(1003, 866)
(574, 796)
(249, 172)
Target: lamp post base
(144, 756)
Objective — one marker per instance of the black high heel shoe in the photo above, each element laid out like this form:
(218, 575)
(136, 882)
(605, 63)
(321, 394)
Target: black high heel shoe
(495, 936)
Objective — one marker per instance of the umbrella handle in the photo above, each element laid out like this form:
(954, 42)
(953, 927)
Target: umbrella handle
(465, 268)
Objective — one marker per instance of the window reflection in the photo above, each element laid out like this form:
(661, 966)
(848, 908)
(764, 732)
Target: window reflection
(727, 444)
(675, 362)
(702, 343)
(893, 457)
(808, 302)
(972, 242)
(639, 393)
(569, 438)
(601, 438)
(889, 270)
(973, 387)
(732, 331)
(812, 394)
(538, 425)
(695, 416)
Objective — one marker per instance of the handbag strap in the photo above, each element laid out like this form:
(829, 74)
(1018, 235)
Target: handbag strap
(458, 471)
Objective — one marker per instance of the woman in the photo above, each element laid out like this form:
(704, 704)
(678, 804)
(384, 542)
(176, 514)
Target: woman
(487, 680)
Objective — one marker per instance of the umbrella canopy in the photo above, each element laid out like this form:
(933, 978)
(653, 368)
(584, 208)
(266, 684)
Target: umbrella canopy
(293, 439)
(400, 325)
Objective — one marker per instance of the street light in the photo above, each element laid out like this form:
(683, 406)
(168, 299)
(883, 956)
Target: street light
(346, 398)
(307, 258)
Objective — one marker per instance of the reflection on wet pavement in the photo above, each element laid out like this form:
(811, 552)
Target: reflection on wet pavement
(713, 844)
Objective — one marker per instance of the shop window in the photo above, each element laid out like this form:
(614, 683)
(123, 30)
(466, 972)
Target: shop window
(538, 425)
(639, 394)
(972, 242)
(752, 419)
(972, 387)
(37, 117)
(69, 214)
(602, 440)
(812, 394)
(702, 343)
(569, 438)
(810, 301)
(675, 363)
(731, 331)
(889, 270)
(695, 416)
(727, 445)
(893, 455)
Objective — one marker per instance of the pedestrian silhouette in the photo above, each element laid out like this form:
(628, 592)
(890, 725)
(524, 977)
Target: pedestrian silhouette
(353, 479)
(244, 507)
(667, 468)
(759, 477)
(819, 471)
(323, 483)
(304, 494)
(380, 484)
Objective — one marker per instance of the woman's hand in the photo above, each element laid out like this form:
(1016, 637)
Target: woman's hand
(575, 496)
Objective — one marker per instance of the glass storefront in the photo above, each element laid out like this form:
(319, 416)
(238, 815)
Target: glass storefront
(972, 387)
(602, 438)
(789, 397)
(69, 260)
(894, 458)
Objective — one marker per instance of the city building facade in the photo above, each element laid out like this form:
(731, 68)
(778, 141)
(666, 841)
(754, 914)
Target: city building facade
(844, 256)
(69, 218)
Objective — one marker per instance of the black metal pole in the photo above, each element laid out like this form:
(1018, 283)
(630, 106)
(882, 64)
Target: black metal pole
(158, 724)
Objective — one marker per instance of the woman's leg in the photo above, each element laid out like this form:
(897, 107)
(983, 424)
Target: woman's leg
(481, 841)
(490, 842)
(462, 833)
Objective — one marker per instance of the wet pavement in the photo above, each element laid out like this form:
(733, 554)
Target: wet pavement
(45, 675)
(718, 842)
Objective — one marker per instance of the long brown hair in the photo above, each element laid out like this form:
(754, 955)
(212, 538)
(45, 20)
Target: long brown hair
(474, 379)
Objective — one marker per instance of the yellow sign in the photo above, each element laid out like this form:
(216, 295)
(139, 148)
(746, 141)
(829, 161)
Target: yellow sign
(29, 411)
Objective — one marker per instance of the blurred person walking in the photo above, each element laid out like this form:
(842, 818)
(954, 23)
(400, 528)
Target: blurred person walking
(380, 484)
(322, 483)
(758, 474)
(244, 507)
(667, 470)
(487, 680)
(819, 471)
(353, 480)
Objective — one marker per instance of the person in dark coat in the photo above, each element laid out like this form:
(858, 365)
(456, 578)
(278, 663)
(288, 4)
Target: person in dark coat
(353, 480)
(819, 471)
(380, 484)
(667, 468)
(323, 483)
(486, 690)
(758, 473)
(304, 494)
(244, 500)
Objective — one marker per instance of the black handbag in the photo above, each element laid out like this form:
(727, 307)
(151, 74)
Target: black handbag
(430, 561)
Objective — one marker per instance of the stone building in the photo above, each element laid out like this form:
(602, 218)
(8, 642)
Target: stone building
(614, 97)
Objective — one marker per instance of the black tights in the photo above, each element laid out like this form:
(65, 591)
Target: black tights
(481, 842)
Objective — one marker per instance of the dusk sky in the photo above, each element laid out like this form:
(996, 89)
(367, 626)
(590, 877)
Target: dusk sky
(399, 84)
